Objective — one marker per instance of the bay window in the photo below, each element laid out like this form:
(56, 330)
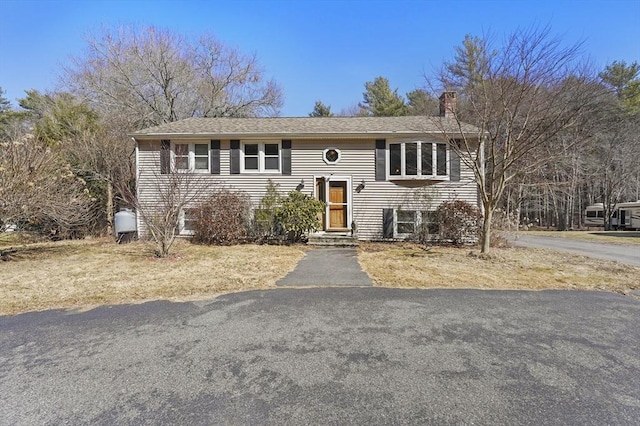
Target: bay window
(418, 160)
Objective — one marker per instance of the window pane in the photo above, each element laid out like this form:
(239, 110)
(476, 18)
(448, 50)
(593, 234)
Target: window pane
(182, 162)
(190, 218)
(427, 159)
(394, 159)
(405, 228)
(271, 149)
(411, 158)
(442, 159)
(202, 149)
(202, 163)
(271, 163)
(406, 216)
(251, 149)
(251, 163)
(429, 221)
(181, 149)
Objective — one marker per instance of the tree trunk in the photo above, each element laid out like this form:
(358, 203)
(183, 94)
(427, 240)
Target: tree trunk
(485, 242)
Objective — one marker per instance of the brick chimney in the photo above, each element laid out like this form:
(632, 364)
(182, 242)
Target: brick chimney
(448, 104)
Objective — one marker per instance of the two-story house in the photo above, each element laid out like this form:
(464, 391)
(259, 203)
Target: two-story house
(381, 175)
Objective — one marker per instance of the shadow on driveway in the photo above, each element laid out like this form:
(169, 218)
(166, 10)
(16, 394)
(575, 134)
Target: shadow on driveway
(329, 356)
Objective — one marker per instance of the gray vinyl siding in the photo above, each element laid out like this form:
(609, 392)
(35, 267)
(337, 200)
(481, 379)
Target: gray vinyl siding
(357, 161)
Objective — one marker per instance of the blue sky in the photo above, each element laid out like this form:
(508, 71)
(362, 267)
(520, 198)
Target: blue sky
(317, 50)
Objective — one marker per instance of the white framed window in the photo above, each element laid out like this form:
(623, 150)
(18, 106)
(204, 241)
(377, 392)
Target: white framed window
(405, 222)
(186, 222)
(331, 155)
(418, 160)
(408, 222)
(190, 157)
(260, 157)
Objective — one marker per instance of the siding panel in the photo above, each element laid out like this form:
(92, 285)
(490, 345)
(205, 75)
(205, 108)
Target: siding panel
(358, 160)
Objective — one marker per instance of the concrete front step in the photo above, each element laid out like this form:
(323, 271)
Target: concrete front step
(335, 240)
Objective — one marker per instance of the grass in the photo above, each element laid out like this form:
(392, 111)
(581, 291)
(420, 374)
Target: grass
(87, 273)
(82, 274)
(409, 265)
(612, 237)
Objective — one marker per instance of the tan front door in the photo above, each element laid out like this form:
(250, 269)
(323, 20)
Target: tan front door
(338, 205)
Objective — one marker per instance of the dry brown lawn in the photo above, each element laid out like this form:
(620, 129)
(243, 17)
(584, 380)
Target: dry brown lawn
(82, 274)
(410, 265)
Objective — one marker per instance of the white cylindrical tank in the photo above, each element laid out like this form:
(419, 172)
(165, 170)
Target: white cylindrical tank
(124, 221)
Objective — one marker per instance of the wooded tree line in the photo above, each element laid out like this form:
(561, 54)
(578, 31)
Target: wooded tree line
(558, 135)
(126, 80)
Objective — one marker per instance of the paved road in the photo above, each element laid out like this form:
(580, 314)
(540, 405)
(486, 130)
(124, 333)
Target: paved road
(329, 356)
(627, 253)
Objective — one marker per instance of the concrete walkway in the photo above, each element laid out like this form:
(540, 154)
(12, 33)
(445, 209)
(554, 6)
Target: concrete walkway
(327, 267)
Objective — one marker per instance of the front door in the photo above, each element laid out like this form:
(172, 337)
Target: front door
(334, 192)
(337, 205)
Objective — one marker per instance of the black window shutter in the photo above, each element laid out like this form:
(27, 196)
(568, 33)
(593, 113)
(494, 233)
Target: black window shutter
(454, 167)
(381, 166)
(215, 157)
(387, 223)
(234, 153)
(165, 157)
(286, 157)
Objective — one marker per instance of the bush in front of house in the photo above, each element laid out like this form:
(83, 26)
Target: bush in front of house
(297, 215)
(288, 218)
(222, 219)
(458, 222)
(265, 225)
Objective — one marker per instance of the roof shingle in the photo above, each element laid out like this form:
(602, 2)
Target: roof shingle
(304, 126)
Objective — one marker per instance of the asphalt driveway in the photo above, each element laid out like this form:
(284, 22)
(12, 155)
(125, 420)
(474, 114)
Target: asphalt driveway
(623, 253)
(329, 356)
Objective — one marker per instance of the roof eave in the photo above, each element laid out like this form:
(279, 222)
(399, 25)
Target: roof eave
(281, 135)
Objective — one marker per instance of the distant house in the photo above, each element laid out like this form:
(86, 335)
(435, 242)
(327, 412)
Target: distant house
(381, 175)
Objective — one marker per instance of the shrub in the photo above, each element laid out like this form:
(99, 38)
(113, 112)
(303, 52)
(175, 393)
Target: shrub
(459, 222)
(265, 224)
(222, 219)
(298, 214)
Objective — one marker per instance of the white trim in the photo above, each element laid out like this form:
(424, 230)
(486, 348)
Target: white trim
(418, 220)
(191, 157)
(138, 221)
(349, 189)
(261, 157)
(331, 148)
(181, 220)
(419, 175)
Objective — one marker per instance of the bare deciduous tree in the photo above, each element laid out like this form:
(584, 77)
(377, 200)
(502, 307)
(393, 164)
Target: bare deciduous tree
(151, 76)
(519, 95)
(37, 186)
(161, 207)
